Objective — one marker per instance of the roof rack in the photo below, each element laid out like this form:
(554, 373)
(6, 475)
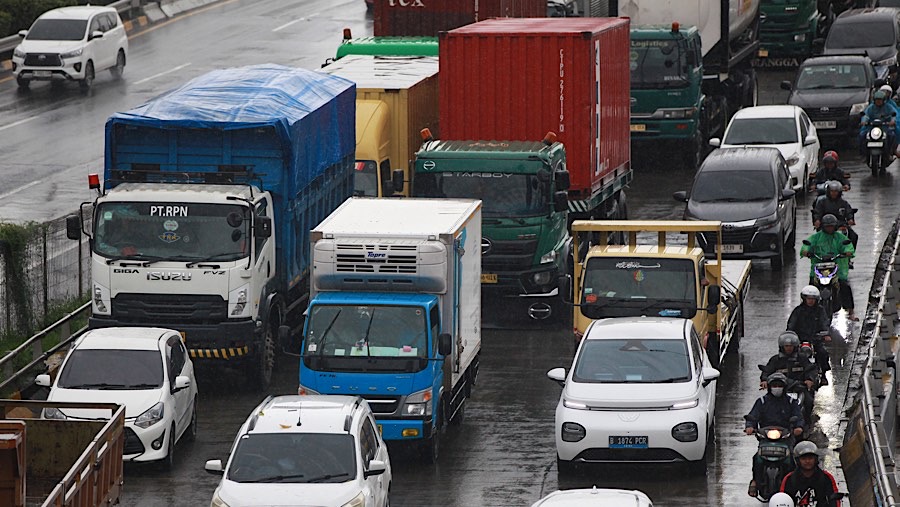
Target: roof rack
(256, 413)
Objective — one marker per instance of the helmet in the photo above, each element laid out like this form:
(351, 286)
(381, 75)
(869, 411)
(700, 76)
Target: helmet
(810, 292)
(829, 219)
(879, 95)
(830, 156)
(781, 500)
(834, 186)
(805, 448)
(776, 377)
(788, 338)
(886, 89)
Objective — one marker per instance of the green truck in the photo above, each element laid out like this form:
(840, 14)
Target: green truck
(787, 30)
(385, 46)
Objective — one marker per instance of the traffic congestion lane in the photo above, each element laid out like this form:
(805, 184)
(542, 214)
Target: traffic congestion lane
(52, 137)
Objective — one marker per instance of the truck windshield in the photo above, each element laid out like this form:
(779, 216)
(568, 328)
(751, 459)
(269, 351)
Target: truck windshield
(502, 194)
(657, 64)
(352, 331)
(733, 186)
(292, 457)
(761, 131)
(365, 181)
(631, 286)
(176, 231)
(635, 361)
(813, 77)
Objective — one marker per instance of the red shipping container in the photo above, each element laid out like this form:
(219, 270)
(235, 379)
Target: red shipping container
(517, 79)
(429, 17)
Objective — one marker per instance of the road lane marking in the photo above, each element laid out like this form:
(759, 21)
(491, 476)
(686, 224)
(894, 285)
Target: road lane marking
(17, 123)
(160, 74)
(289, 23)
(23, 187)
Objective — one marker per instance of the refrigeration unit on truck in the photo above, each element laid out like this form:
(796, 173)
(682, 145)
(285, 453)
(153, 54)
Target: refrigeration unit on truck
(687, 78)
(395, 312)
(396, 97)
(208, 196)
(492, 122)
(661, 279)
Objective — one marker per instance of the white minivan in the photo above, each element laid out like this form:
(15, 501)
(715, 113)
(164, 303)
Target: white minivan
(71, 43)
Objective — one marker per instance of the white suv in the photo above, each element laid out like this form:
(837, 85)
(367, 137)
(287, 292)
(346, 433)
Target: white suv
(306, 450)
(71, 43)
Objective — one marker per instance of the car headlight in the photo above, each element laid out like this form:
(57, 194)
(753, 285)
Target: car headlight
(18, 53)
(888, 62)
(302, 390)
(800, 37)
(548, 257)
(217, 501)
(54, 413)
(238, 299)
(793, 159)
(100, 297)
(418, 403)
(151, 416)
(72, 54)
(685, 405)
(358, 501)
(767, 222)
(575, 405)
(858, 108)
(876, 133)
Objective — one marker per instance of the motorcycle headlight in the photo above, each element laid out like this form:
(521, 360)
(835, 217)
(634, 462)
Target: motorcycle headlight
(858, 108)
(18, 53)
(773, 434)
(237, 300)
(72, 54)
(418, 403)
(151, 416)
(548, 257)
(876, 133)
(100, 299)
(793, 159)
(358, 501)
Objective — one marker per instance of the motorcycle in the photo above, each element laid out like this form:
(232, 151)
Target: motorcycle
(879, 146)
(825, 279)
(775, 454)
(797, 390)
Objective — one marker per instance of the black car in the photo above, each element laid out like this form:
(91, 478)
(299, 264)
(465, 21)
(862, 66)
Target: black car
(871, 32)
(749, 191)
(834, 91)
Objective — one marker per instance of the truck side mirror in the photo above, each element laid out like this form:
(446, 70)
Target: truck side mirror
(562, 180)
(560, 201)
(73, 227)
(564, 284)
(397, 181)
(786, 85)
(713, 296)
(445, 344)
(263, 227)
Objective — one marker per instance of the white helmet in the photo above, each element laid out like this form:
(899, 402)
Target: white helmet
(887, 89)
(810, 291)
(781, 500)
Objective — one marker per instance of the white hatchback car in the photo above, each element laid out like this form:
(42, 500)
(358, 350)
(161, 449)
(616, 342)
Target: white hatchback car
(595, 498)
(306, 450)
(71, 43)
(145, 369)
(784, 127)
(641, 389)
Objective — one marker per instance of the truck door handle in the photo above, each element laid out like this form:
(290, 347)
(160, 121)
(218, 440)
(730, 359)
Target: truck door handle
(268, 269)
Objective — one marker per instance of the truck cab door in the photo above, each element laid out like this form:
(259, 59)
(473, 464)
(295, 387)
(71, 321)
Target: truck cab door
(263, 262)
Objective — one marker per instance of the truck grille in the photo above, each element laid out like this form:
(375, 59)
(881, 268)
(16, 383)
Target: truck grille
(383, 404)
(169, 309)
(133, 444)
(356, 258)
(498, 256)
(42, 60)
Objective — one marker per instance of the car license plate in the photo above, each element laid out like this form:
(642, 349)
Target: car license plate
(42, 73)
(638, 127)
(732, 249)
(875, 145)
(825, 124)
(763, 53)
(488, 278)
(628, 442)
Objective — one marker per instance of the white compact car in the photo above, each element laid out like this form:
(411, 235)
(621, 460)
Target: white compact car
(641, 389)
(71, 43)
(145, 369)
(306, 450)
(595, 498)
(784, 127)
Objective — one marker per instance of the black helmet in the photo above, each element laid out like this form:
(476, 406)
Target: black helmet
(829, 219)
(788, 338)
(776, 377)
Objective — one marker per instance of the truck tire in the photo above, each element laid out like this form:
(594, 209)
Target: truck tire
(712, 350)
(430, 447)
(264, 362)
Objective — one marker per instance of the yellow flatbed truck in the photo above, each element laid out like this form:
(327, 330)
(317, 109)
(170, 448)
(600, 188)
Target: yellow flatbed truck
(655, 278)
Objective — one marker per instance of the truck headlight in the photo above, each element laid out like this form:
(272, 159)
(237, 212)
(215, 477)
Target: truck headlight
(542, 277)
(71, 54)
(151, 416)
(800, 37)
(18, 53)
(858, 108)
(238, 300)
(358, 501)
(418, 404)
(100, 296)
(678, 113)
(548, 257)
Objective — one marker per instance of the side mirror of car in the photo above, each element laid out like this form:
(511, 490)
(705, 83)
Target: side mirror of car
(715, 142)
(73, 227)
(23, 33)
(182, 382)
(680, 196)
(810, 140)
(786, 85)
(709, 374)
(713, 297)
(96, 34)
(43, 380)
(376, 467)
(445, 344)
(558, 375)
(560, 201)
(214, 466)
(787, 194)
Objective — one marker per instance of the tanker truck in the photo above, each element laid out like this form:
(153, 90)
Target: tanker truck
(687, 79)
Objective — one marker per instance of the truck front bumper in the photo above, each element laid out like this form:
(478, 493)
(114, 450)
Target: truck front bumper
(224, 340)
(404, 429)
(649, 129)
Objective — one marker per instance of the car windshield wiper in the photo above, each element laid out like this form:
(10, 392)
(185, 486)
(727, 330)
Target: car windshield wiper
(278, 478)
(139, 260)
(723, 199)
(328, 477)
(217, 257)
(670, 380)
(143, 386)
(98, 385)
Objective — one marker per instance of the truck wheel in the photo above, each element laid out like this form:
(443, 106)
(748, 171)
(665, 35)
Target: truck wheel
(712, 349)
(431, 448)
(265, 359)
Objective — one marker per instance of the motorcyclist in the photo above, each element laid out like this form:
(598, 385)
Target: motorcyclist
(809, 485)
(829, 171)
(809, 320)
(788, 362)
(834, 204)
(879, 109)
(775, 408)
(826, 242)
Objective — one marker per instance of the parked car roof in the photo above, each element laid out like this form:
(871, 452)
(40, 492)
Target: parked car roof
(304, 414)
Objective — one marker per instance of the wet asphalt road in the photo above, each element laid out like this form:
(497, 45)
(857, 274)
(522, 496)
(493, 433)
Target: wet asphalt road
(503, 454)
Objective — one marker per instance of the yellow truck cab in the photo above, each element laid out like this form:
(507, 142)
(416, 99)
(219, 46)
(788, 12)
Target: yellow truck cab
(654, 278)
(396, 97)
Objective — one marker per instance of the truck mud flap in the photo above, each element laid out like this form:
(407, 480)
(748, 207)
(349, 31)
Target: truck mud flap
(224, 353)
